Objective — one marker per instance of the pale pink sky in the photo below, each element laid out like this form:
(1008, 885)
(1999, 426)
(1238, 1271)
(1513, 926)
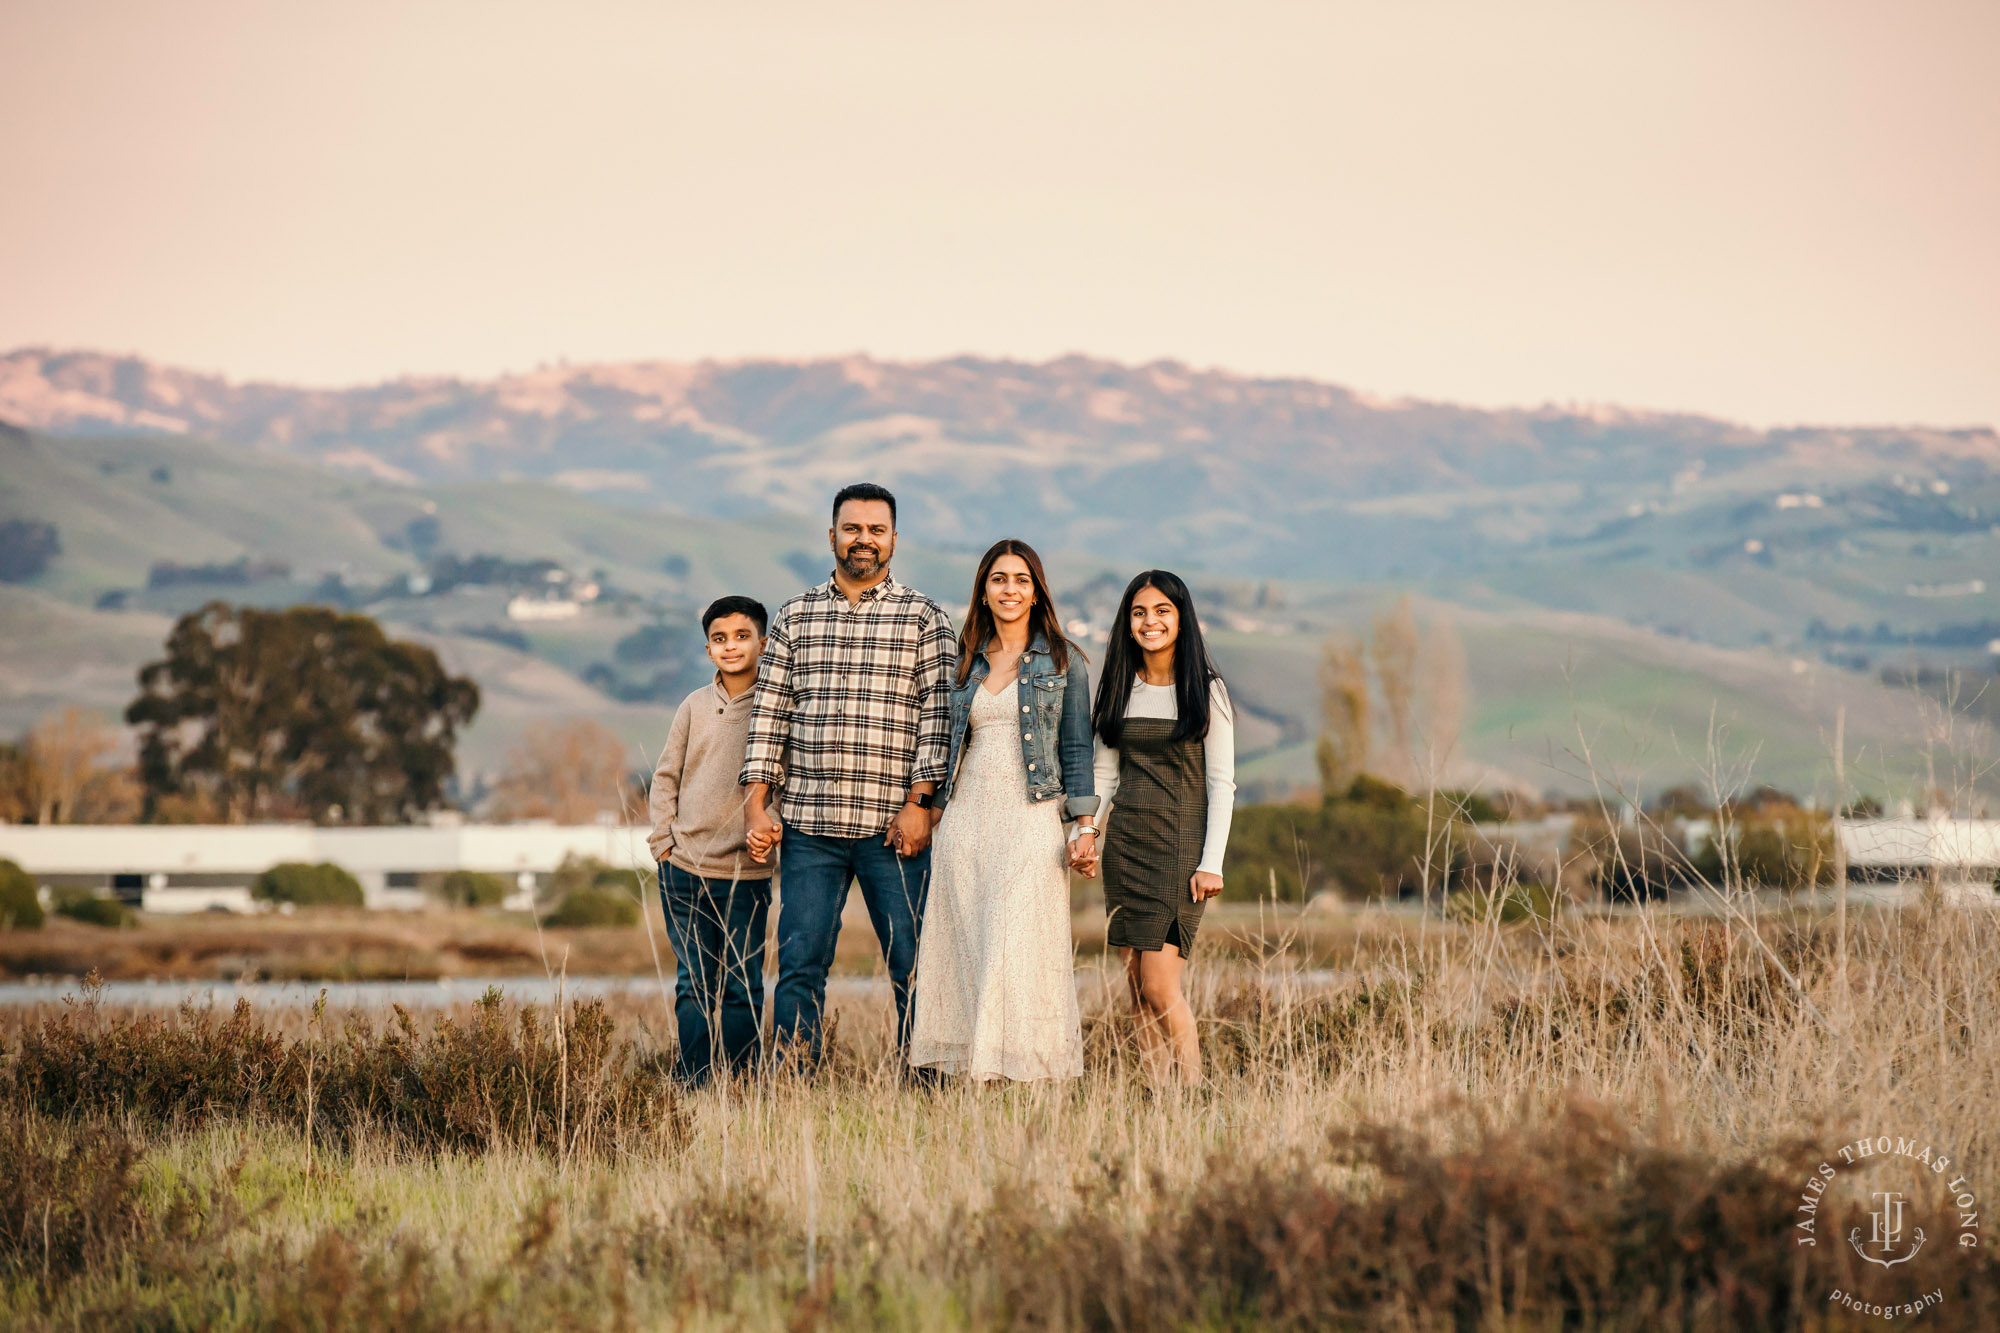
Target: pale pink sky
(1773, 211)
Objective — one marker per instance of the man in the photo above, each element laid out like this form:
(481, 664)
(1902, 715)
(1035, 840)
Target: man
(852, 716)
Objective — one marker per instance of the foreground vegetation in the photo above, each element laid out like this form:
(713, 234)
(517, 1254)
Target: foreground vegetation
(1581, 1123)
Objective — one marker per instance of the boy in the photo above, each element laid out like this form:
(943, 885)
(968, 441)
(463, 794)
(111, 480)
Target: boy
(715, 897)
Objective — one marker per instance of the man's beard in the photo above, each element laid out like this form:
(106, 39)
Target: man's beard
(860, 561)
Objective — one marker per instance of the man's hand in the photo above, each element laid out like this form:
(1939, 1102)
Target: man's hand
(1204, 885)
(910, 831)
(761, 832)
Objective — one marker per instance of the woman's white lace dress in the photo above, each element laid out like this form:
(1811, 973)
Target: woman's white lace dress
(995, 983)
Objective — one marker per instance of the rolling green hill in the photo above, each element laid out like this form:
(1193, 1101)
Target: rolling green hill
(124, 504)
(1554, 665)
(1574, 703)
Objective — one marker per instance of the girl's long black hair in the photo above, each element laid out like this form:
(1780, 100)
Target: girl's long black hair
(1194, 674)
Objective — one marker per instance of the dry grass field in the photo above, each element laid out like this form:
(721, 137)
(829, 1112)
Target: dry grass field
(1600, 1123)
(330, 944)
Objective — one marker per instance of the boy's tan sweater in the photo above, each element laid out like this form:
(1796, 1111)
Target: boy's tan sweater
(697, 806)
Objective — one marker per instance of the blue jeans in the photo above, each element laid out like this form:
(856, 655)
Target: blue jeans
(816, 874)
(716, 927)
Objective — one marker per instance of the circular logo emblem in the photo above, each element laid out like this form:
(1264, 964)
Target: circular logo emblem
(1898, 1200)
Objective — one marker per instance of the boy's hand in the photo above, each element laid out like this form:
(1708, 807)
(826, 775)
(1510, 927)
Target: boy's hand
(761, 833)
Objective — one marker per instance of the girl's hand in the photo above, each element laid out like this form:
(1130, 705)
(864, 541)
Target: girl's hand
(1083, 854)
(1204, 885)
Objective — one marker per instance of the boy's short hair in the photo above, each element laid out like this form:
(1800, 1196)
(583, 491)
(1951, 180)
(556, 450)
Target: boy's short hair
(734, 606)
(864, 490)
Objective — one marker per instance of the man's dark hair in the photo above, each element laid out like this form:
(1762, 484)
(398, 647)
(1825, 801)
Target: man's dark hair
(734, 606)
(864, 490)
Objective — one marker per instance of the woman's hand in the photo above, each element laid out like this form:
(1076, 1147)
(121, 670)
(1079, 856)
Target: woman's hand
(1083, 853)
(1204, 885)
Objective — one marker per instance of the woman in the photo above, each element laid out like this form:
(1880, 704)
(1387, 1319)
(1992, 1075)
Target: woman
(995, 985)
(1168, 759)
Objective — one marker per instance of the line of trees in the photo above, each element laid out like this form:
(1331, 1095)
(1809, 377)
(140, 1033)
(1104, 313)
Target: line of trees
(304, 713)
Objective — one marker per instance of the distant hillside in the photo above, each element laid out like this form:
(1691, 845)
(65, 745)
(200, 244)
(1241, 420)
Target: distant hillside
(1241, 476)
(152, 525)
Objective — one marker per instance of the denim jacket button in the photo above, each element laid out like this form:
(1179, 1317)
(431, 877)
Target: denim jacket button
(1031, 768)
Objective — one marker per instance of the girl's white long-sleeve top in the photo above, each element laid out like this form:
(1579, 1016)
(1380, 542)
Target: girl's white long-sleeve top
(1219, 749)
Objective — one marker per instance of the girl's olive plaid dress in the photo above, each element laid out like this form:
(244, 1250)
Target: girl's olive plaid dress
(1153, 842)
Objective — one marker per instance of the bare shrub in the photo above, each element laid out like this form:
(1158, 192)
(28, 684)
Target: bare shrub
(72, 1202)
(1443, 694)
(20, 907)
(68, 1196)
(565, 771)
(1397, 649)
(475, 1085)
(66, 753)
(1343, 742)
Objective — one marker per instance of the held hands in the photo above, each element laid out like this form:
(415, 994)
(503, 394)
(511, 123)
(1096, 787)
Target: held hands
(1084, 853)
(910, 831)
(1204, 885)
(761, 833)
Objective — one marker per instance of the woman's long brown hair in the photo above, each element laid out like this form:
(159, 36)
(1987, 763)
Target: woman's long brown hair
(1042, 617)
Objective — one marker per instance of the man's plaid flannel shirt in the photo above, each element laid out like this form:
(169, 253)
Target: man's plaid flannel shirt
(852, 706)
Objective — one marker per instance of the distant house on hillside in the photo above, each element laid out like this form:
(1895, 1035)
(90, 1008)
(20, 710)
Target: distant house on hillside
(543, 608)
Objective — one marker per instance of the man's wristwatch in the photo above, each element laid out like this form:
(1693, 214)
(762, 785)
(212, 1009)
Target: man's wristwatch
(922, 800)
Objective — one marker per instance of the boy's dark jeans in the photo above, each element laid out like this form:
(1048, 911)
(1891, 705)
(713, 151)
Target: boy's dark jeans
(817, 871)
(716, 927)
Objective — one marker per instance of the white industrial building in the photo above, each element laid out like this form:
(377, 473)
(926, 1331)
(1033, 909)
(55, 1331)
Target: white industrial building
(1950, 851)
(202, 867)
(195, 868)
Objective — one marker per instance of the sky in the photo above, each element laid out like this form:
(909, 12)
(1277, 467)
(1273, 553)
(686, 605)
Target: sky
(1774, 212)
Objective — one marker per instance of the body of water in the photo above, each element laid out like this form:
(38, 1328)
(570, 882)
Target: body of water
(367, 994)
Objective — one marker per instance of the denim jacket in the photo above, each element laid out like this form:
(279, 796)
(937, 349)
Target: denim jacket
(1055, 728)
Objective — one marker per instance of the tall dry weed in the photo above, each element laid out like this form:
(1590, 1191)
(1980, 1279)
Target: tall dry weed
(562, 1085)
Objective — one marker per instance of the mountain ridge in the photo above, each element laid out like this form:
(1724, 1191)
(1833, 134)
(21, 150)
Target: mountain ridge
(793, 399)
(1254, 476)
(1240, 477)
(114, 375)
